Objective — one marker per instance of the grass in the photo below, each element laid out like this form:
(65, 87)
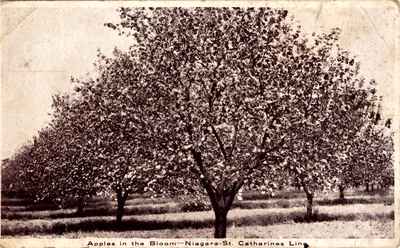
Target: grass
(293, 193)
(160, 216)
(298, 202)
(196, 220)
(93, 211)
(326, 230)
(161, 206)
(20, 205)
(287, 194)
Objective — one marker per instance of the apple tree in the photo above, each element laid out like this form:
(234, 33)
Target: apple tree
(55, 168)
(118, 134)
(11, 171)
(232, 91)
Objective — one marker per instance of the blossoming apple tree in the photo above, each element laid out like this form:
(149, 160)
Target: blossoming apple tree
(232, 93)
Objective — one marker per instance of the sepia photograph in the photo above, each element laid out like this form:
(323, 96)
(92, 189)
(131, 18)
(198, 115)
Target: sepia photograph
(200, 123)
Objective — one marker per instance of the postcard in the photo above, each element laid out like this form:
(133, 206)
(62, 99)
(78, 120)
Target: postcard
(200, 124)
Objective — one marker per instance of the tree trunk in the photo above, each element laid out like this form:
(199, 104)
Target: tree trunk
(309, 212)
(221, 203)
(221, 196)
(310, 196)
(367, 187)
(341, 193)
(220, 223)
(80, 205)
(121, 199)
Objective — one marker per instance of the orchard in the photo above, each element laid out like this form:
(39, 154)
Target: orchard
(207, 102)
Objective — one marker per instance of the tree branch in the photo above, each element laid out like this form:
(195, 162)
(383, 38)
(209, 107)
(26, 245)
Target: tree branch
(261, 155)
(257, 163)
(305, 188)
(204, 177)
(220, 144)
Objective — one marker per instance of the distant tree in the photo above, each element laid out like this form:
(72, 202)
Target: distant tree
(11, 183)
(376, 157)
(365, 147)
(7, 176)
(54, 167)
(77, 173)
(31, 175)
(311, 159)
(117, 132)
(335, 117)
(96, 141)
(232, 91)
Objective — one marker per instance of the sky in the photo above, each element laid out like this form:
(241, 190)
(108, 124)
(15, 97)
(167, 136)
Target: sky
(44, 44)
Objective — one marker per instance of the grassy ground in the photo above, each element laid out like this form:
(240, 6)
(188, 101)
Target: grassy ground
(325, 230)
(136, 207)
(360, 215)
(198, 220)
